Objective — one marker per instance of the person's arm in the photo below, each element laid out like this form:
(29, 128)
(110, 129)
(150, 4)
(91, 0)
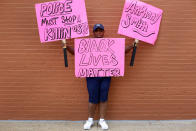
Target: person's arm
(69, 48)
(130, 47)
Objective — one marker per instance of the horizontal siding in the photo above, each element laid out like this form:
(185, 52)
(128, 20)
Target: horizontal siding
(35, 85)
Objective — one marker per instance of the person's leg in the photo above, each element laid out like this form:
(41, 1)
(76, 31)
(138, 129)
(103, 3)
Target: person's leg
(103, 109)
(104, 89)
(93, 91)
(91, 110)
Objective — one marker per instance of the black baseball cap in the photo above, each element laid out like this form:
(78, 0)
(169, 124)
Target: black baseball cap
(96, 26)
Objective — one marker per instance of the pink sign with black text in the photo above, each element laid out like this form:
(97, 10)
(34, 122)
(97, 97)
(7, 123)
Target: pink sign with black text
(140, 21)
(99, 57)
(63, 19)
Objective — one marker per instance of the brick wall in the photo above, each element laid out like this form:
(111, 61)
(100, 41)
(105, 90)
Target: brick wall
(35, 85)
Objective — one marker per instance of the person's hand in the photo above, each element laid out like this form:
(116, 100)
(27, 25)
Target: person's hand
(64, 43)
(135, 42)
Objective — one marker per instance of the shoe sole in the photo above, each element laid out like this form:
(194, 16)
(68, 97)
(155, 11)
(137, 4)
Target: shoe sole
(90, 127)
(101, 127)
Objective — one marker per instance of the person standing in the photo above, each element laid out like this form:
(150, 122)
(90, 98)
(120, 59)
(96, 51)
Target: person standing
(98, 87)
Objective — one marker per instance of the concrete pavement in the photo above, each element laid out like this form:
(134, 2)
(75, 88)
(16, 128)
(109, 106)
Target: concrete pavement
(179, 125)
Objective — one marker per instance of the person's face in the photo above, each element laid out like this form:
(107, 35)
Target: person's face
(98, 33)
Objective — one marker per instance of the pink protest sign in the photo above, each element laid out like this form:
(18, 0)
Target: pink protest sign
(141, 21)
(62, 19)
(99, 57)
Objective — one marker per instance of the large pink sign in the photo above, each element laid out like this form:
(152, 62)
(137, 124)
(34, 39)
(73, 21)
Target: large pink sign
(58, 20)
(140, 20)
(99, 57)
